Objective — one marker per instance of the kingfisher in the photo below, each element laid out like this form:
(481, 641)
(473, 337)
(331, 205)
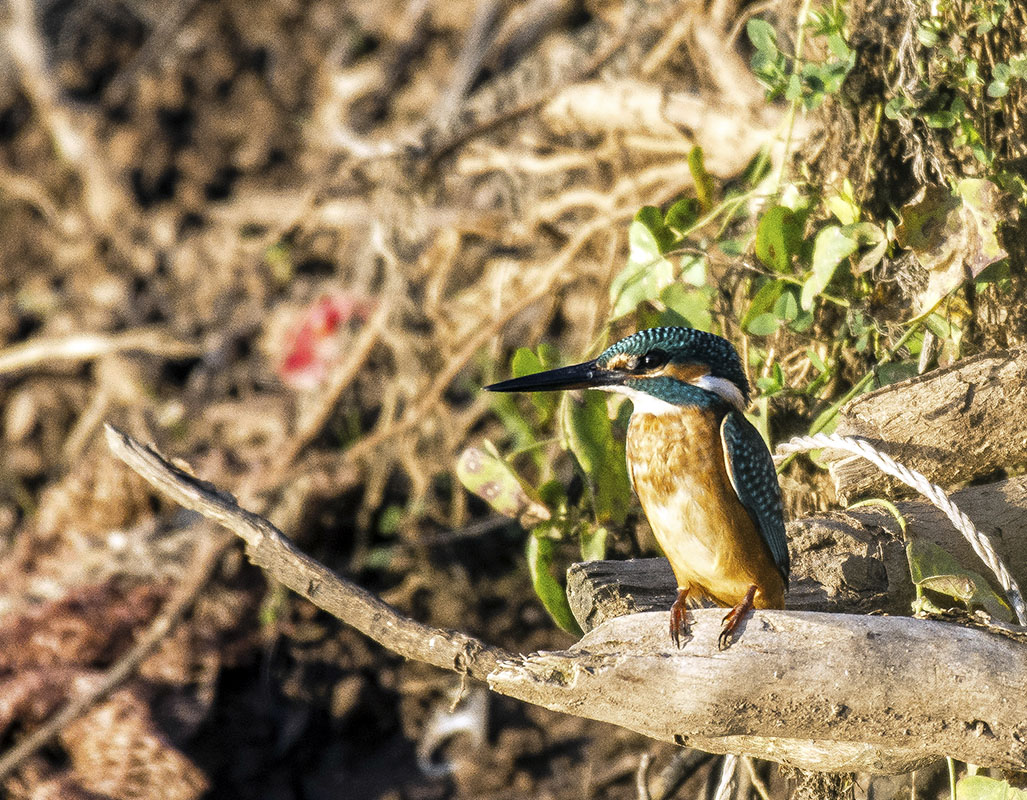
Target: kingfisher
(702, 472)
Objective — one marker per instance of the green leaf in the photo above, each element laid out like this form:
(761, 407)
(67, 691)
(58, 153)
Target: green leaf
(786, 307)
(693, 270)
(593, 543)
(762, 36)
(932, 567)
(772, 383)
(682, 215)
(484, 473)
(941, 119)
(540, 551)
(763, 324)
(843, 204)
(802, 323)
(927, 33)
(763, 301)
(980, 787)
(830, 248)
(701, 178)
(971, 71)
(816, 360)
(588, 434)
(778, 238)
(758, 168)
(896, 107)
(838, 46)
(843, 208)
(867, 233)
(652, 218)
(646, 275)
(692, 306)
(526, 362)
(998, 89)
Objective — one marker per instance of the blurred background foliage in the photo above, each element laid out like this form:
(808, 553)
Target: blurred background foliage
(290, 241)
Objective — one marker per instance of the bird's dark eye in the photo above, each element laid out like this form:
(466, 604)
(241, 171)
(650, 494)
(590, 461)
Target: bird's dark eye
(653, 359)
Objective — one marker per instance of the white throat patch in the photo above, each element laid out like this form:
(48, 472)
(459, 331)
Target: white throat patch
(642, 402)
(723, 388)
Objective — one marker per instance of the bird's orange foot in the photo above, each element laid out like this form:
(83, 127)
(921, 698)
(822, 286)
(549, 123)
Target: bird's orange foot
(679, 618)
(734, 617)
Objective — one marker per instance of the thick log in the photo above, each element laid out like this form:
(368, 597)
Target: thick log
(817, 691)
(953, 424)
(853, 562)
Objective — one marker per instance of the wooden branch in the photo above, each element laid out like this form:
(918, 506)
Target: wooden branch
(820, 691)
(952, 424)
(269, 549)
(853, 562)
(80, 347)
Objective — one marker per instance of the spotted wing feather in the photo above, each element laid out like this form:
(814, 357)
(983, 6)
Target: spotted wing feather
(752, 474)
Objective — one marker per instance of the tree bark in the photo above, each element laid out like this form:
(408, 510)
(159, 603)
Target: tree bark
(828, 692)
(953, 425)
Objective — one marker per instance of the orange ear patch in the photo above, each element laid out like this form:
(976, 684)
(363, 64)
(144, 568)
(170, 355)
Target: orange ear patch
(686, 373)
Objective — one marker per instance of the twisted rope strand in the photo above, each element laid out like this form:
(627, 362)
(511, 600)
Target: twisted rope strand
(978, 540)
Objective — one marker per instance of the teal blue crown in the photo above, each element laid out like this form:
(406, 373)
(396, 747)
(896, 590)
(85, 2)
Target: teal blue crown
(685, 346)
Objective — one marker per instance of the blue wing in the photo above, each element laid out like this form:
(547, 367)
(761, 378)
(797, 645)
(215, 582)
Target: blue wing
(752, 474)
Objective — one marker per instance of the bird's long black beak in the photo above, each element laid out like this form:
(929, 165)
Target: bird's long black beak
(579, 376)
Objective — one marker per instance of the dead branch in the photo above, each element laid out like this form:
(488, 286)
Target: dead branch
(952, 424)
(102, 195)
(820, 691)
(88, 346)
(269, 549)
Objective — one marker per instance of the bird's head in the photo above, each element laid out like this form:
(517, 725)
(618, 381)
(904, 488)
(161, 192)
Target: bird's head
(660, 369)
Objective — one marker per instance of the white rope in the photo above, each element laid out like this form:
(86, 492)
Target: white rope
(727, 775)
(978, 541)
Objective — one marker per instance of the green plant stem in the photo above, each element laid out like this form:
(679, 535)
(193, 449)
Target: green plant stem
(800, 36)
(952, 777)
(730, 205)
(878, 109)
(536, 445)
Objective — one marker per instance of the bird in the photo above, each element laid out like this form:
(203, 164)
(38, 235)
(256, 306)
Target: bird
(702, 473)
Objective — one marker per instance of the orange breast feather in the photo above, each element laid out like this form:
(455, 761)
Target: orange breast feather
(676, 463)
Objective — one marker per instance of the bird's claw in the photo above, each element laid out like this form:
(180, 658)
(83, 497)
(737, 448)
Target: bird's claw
(733, 618)
(679, 619)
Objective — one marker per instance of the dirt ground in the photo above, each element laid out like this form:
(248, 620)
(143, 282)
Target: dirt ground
(278, 240)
